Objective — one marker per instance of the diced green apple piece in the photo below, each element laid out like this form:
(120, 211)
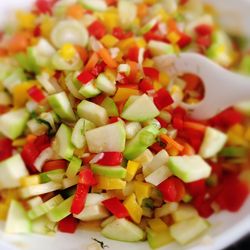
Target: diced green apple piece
(126, 18)
(17, 219)
(12, 123)
(43, 225)
(161, 158)
(92, 112)
(132, 128)
(213, 141)
(63, 142)
(95, 5)
(96, 199)
(11, 170)
(73, 167)
(73, 85)
(159, 175)
(234, 151)
(90, 213)
(89, 90)
(148, 26)
(187, 230)
(108, 138)
(166, 209)
(158, 48)
(123, 230)
(52, 175)
(110, 106)
(113, 172)
(158, 239)
(61, 211)
(143, 139)
(142, 109)
(105, 84)
(189, 168)
(62, 107)
(184, 212)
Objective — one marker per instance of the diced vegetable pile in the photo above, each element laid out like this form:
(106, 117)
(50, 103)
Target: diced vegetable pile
(91, 130)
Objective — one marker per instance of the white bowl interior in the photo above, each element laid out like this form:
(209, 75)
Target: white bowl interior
(226, 227)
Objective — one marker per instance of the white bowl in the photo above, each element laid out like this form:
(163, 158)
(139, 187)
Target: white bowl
(226, 227)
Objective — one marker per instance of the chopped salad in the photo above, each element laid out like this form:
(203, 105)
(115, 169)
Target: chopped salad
(91, 130)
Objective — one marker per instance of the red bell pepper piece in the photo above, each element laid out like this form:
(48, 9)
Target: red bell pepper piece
(151, 73)
(121, 34)
(163, 123)
(45, 6)
(116, 207)
(37, 31)
(97, 29)
(145, 85)
(111, 2)
(152, 35)
(233, 194)
(68, 225)
(111, 159)
(204, 41)
(196, 188)
(99, 68)
(204, 29)
(5, 148)
(173, 189)
(80, 197)
(36, 94)
(162, 99)
(203, 206)
(54, 164)
(133, 54)
(87, 177)
(184, 40)
(98, 99)
(113, 119)
(85, 77)
(157, 147)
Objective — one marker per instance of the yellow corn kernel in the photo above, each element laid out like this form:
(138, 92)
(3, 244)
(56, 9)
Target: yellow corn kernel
(173, 37)
(141, 43)
(109, 41)
(19, 142)
(123, 94)
(109, 183)
(111, 20)
(67, 51)
(46, 26)
(157, 85)
(126, 43)
(132, 168)
(134, 210)
(30, 180)
(164, 79)
(26, 20)
(148, 63)
(20, 93)
(157, 225)
(142, 190)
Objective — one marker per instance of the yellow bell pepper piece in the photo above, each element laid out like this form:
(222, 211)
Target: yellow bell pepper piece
(6, 197)
(126, 43)
(142, 191)
(111, 74)
(157, 225)
(157, 85)
(109, 41)
(20, 94)
(164, 79)
(107, 183)
(26, 20)
(132, 168)
(67, 51)
(30, 180)
(148, 63)
(134, 210)
(141, 43)
(46, 26)
(163, 15)
(173, 37)
(236, 135)
(247, 134)
(110, 20)
(123, 94)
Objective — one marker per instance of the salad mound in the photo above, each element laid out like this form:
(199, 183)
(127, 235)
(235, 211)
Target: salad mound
(91, 130)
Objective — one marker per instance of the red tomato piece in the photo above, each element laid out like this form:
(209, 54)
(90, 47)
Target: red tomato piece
(80, 197)
(115, 206)
(85, 77)
(36, 94)
(184, 40)
(45, 6)
(68, 224)
(87, 177)
(151, 73)
(204, 41)
(111, 159)
(196, 188)
(121, 34)
(162, 99)
(145, 85)
(5, 148)
(173, 189)
(97, 29)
